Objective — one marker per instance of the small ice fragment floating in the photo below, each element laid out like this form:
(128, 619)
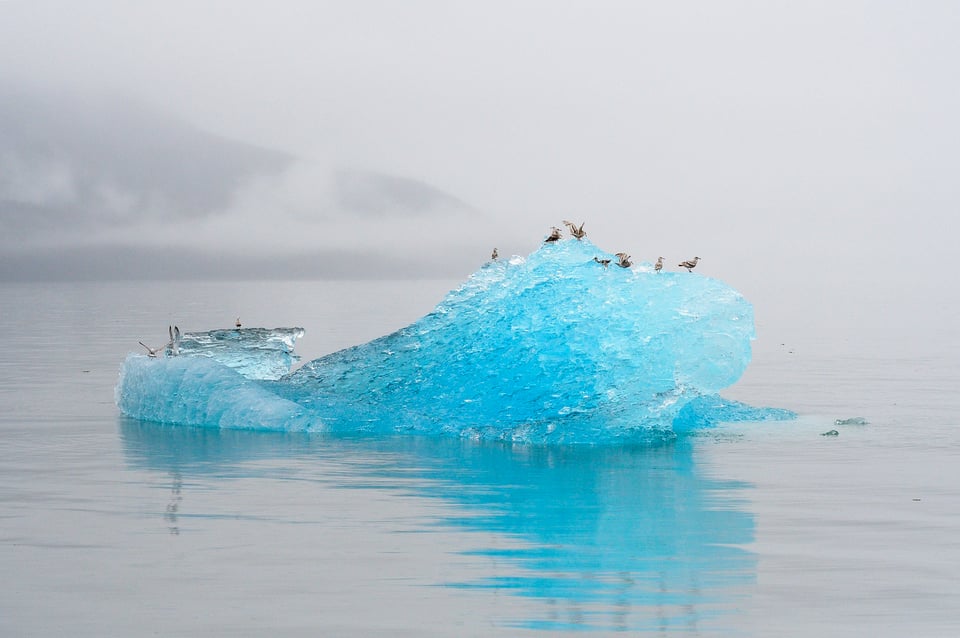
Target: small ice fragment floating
(856, 420)
(554, 348)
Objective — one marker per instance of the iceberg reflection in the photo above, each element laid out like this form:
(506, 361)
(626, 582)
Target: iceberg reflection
(631, 538)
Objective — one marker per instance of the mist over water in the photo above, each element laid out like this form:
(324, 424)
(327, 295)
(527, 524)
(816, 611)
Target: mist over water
(771, 141)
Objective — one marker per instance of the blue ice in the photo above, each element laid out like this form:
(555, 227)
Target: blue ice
(554, 348)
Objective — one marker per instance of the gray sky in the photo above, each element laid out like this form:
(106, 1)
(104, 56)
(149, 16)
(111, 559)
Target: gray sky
(824, 133)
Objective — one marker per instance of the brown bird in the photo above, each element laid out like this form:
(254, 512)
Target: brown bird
(494, 254)
(554, 235)
(605, 262)
(576, 231)
(659, 265)
(689, 264)
(624, 260)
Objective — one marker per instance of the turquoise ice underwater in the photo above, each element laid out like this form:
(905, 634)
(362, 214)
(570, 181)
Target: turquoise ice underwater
(556, 348)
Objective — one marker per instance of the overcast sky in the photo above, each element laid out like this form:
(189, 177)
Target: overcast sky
(825, 133)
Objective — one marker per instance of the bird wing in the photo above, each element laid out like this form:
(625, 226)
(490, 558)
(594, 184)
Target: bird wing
(153, 351)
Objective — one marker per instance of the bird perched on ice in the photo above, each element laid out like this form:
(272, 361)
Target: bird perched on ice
(623, 260)
(554, 235)
(238, 322)
(153, 352)
(174, 339)
(689, 264)
(604, 262)
(576, 231)
(494, 254)
(659, 265)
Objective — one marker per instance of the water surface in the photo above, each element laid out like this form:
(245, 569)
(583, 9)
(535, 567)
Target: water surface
(111, 526)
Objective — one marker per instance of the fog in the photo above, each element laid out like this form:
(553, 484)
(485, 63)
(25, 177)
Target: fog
(778, 141)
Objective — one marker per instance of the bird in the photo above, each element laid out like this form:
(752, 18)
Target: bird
(605, 262)
(494, 254)
(689, 264)
(153, 352)
(554, 235)
(659, 265)
(174, 339)
(238, 322)
(623, 260)
(576, 231)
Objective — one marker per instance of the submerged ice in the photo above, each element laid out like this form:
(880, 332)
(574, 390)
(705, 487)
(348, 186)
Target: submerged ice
(552, 348)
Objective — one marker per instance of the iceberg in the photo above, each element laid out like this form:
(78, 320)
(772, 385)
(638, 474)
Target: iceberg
(552, 348)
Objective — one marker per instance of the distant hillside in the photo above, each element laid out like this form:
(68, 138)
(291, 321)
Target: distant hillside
(375, 194)
(67, 160)
(96, 185)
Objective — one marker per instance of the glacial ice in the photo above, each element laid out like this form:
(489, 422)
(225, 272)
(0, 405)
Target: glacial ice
(256, 353)
(551, 348)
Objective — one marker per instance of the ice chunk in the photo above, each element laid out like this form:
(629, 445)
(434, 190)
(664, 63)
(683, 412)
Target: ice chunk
(553, 348)
(256, 353)
(200, 391)
(856, 420)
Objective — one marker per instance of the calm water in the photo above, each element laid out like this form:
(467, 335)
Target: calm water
(114, 527)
